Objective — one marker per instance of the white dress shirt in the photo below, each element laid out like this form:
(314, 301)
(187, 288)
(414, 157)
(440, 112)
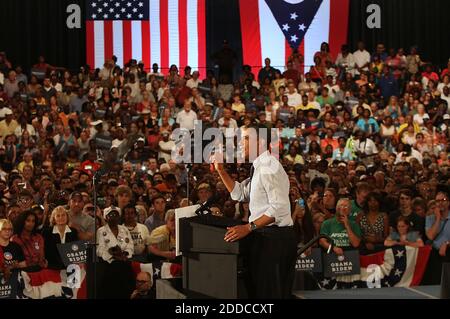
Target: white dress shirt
(107, 240)
(367, 147)
(63, 238)
(267, 192)
(361, 58)
(187, 119)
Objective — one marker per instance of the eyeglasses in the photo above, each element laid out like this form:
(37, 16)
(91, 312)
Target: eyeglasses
(141, 282)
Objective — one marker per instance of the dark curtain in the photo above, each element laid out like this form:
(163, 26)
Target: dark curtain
(223, 23)
(405, 23)
(30, 28)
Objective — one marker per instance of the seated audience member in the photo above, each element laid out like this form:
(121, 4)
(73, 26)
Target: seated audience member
(438, 231)
(374, 224)
(16, 260)
(403, 236)
(115, 248)
(58, 233)
(405, 209)
(344, 232)
(144, 287)
(31, 242)
(162, 239)
(139, 233)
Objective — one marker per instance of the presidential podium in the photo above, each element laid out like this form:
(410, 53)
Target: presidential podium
(212, 268)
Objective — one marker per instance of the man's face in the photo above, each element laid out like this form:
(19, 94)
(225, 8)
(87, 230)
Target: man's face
(344, 208)
(113, 218)
(443, 203)
(129, 215)
(204, 194)
(76, 204)
(160, 205)
(143, 282)
(405, 201)
(267, 62)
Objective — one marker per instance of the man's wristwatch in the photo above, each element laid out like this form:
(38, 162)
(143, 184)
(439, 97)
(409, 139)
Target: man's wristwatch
(253, 226)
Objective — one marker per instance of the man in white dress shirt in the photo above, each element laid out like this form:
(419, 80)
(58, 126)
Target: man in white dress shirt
(272, 244)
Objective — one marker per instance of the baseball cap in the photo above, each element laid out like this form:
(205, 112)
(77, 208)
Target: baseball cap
(75, 194)
(203, 186)
(109, 210)
(8, 112)
(112, 182)
(361, 168)
(342, 164)
(95, 123)
(141, 139)
(446, 116)
(162, 188)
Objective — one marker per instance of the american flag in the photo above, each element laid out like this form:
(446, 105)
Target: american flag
(272, 28)
(165, 32)
(399, 266)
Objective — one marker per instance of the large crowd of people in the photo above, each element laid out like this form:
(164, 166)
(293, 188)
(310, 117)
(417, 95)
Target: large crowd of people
(86, 155)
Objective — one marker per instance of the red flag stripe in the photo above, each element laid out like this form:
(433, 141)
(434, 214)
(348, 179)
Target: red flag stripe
(164, 29)
(146, 44)
(339, 11)
(301, 50)
(421, 264)
(109, 43)
(251, 35)
(90, 45)
(127, 45)
(374, 259)
(201, 25)
(183, 33)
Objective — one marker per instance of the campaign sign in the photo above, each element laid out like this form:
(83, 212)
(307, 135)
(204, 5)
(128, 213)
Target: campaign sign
(73, 253)
(8, 288)
(347, 264)
(311, 262)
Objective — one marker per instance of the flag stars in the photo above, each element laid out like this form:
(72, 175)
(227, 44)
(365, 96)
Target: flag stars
(398, 272)
(105, 16)
(141, 16)
(135, 10)
(111, 10)
(141, 4)
(105, 4)
(294, 38)
(117, 4)
(129, 15)
(123, 10)
(286, 27)
(100, 10)
(94, 16)
(301, 27)
(117, 16)
(128, 4)
(294, 16)
(94, 4)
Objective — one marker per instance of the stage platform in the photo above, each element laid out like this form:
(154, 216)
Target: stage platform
(419, 292)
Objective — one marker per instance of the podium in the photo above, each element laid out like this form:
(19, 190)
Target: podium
(212, 268)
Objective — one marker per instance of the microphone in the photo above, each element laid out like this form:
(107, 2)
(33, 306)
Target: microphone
(207, 205)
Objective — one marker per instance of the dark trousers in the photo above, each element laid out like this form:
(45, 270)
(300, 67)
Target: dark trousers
(271, 263)
(115, 280)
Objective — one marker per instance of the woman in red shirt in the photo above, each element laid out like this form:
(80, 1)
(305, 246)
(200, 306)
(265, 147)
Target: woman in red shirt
(31, 242)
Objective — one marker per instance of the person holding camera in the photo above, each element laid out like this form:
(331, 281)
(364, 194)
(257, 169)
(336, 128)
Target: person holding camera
(115, 248)
(344, 232)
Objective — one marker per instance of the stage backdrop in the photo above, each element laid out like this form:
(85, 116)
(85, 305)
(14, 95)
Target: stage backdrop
(189, 31)
(273, 28)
